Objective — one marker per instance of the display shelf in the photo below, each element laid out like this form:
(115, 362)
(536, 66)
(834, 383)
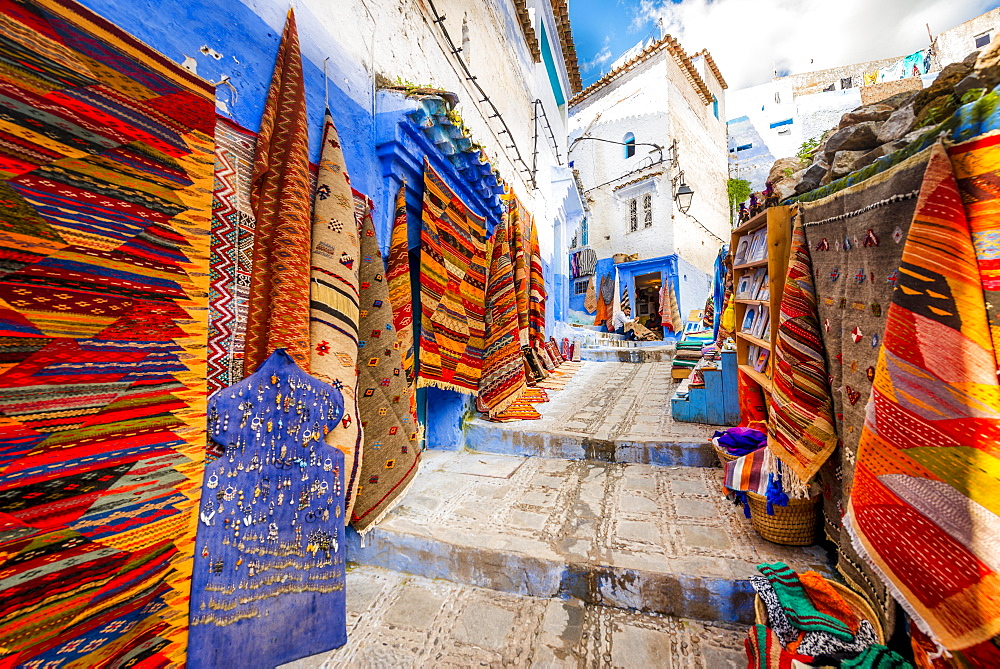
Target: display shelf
(754, 340)
(778, 221)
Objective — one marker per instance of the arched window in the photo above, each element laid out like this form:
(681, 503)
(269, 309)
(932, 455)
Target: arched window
(629, 145)
(715, 106)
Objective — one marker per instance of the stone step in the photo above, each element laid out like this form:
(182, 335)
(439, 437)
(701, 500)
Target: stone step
(519, 439)
(398, 620)
(630, 354)
(611, 412)
(631, 536)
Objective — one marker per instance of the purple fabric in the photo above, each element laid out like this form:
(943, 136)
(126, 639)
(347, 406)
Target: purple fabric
(741, 440)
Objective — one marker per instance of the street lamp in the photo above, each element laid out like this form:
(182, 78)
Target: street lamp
(683, 196)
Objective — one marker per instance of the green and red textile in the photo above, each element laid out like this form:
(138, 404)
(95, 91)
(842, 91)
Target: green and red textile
(924, 510)
(503, 380)
(391, 446)
(452, 290)
(279, 287)
(231, 262)
(801, 431)
(106, 188)
(764, 651)
(334, 307)
(400, 291)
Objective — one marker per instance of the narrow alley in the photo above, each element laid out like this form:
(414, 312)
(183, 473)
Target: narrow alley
(533, 333)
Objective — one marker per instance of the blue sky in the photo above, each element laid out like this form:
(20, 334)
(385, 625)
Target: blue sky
(749, 39)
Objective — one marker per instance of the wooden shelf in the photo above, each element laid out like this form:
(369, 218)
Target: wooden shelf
(754, 340)
(754, 223)
(756, 302)
(757, 376)
(756, 263)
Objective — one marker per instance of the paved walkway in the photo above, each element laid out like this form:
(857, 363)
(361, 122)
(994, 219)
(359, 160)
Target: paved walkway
(614, 401)
(397, 620)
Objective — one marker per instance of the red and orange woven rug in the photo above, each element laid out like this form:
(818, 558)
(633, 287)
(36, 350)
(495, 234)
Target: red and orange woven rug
(106, 186)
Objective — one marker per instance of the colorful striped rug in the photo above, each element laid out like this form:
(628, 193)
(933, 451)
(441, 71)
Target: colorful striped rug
(106, 187)
(924, 510)
(537, 294)
(452, 290)
(391, 446)
(400, 290)
(278, 310)
(502, 381)
(333, 308)
(801, 432)
(231, 262)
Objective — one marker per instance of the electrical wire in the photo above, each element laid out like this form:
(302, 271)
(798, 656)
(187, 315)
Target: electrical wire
(471, 78)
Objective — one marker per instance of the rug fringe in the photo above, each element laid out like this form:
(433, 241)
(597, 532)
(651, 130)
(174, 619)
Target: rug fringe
(506, 403)
(443, 385)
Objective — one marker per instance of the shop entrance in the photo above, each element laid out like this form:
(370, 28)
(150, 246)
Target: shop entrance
(647, 301)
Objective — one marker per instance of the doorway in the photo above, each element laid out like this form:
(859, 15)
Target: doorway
(647, 301)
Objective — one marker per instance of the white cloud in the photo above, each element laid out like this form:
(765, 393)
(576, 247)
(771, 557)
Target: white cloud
(600, 59)
(750, 39)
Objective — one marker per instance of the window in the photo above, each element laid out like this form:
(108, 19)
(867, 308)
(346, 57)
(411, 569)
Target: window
(585, 233)
(647, 210)
(633, 215)
(778, 124)
(715, 106)
(846, 82)
(580, 287)
(629, 145)
(744, 147)
(982, 40)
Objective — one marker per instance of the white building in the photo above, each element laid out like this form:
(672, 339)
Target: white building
(655, 121)
(772, 120)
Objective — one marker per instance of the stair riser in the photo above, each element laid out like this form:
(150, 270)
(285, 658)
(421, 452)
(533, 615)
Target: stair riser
(697, 597)
(633, 355)
(567, 447)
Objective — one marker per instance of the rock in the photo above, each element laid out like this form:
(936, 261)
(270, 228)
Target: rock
(936, 110)
(875, 112)
(785, 188)
(944, 84)
(970, 83)
(876, 153)
(780, 169)
(859, 137)
(843, 163)
(898, 124)
(970, 60)
(987, 65)
(899, 99)
(811, 178)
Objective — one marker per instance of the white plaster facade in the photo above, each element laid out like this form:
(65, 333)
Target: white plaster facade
(399, 40)
(656, 101)
(801, 98)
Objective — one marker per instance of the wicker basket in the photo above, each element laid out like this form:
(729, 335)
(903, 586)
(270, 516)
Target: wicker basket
(792, 525)
(858, 604)
(723, 456)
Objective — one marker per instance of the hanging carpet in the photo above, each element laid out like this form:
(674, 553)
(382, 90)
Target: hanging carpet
(452, 290)
(604, 300)
(400, 291)
(269, 575)
(106, 183)
(391, 447)
(590, 301)
(801, 431)
(670, 313)
(333, 309)
(278, 311)
(537, 294)
(502, 381)
(520, 257)
(232, 253)
(924, 509)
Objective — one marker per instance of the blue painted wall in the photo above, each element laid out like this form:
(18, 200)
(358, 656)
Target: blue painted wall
(695, 287)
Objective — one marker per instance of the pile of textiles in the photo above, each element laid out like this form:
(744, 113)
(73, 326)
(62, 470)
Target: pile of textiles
(739, 440)
(810, 622)
(688, 352)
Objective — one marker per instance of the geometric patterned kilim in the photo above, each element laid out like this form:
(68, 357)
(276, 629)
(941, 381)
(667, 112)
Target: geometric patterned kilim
(232, 253)
(106, 156)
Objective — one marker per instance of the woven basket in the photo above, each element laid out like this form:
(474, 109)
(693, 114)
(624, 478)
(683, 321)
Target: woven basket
(858, 604)
(792, 525)
(723, 456)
